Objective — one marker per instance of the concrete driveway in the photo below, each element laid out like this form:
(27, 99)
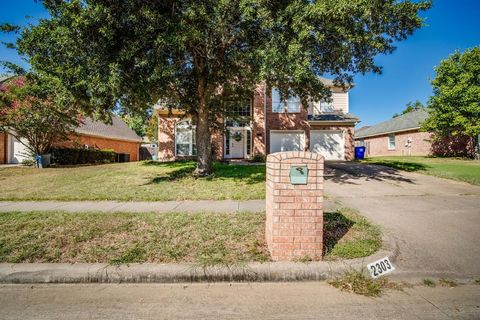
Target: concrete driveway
(435, 222)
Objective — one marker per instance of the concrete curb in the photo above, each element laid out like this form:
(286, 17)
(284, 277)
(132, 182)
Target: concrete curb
(172, 273)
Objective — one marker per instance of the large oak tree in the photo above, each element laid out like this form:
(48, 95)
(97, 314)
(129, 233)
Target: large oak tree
(196, 54)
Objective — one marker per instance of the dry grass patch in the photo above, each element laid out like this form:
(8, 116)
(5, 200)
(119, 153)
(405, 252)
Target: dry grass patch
(200, 238)
(358, 282)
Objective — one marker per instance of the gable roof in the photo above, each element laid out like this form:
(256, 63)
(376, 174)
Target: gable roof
(118, 130)
(359, 130)
(4, 78)
(404, 122)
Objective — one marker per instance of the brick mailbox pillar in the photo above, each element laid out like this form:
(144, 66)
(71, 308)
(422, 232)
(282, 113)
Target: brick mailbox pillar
(294, 199)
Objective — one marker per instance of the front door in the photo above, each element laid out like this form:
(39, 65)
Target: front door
(235, 144)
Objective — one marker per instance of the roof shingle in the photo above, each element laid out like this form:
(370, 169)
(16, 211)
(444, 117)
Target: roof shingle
(117, 130)
(411, 120)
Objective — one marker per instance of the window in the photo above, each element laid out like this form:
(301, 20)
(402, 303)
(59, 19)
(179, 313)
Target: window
(292, 105)
(241, 109)
(391, 141)
(324, 106)
(238, 113)
(185, 144)
(227, 143)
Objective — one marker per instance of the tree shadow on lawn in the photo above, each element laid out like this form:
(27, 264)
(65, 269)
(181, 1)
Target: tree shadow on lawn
(335, 227)
(221, 171)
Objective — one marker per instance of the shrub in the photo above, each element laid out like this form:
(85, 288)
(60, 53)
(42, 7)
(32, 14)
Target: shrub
(28, 162)
(258, 158)
(72, 156)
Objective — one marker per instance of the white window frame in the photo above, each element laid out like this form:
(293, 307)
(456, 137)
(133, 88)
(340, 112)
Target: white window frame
(321, 107)
(391, 146)
(277, 102)
(192, 139)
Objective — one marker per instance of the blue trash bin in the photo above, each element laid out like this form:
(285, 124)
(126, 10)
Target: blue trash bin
(359, 153)
(43, 161)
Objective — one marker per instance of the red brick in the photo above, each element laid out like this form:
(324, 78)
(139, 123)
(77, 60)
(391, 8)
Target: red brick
(297, 208)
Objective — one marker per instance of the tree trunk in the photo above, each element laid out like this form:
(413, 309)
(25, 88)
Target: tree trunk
(203, 140)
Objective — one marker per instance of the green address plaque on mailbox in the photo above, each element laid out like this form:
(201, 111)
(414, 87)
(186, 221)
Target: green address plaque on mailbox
(298, 174)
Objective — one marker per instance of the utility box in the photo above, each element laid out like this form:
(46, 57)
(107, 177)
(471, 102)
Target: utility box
(294, 206)
(298, 174)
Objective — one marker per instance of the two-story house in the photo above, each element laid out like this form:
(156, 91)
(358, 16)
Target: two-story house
(270, 125)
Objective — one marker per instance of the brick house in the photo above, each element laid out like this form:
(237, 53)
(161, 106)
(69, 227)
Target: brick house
(91, 134)
(396, 137)
(270, 125)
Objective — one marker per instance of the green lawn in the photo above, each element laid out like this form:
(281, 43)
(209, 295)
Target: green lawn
(147, 181)
(450, 168)
(203, 239)
(348, 235)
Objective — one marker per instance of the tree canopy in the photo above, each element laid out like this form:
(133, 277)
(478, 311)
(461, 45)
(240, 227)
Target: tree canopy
(454, 107)
(38, 111)
(411, 106)
(195, 55)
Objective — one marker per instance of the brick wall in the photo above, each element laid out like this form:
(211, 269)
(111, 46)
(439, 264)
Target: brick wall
(421, 144)
(283, 121)
(294, 213)
(3, 148)
(217, 145)
(130, 147)
(258, 127)
(166, 138)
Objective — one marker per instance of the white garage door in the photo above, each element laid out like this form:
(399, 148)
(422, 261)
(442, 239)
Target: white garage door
(287, 141)
(17, 151)
(328, 143)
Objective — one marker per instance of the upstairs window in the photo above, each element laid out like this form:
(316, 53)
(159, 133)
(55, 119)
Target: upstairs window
(291, 105)
(238, 113)
(391, 141)
(324, 106)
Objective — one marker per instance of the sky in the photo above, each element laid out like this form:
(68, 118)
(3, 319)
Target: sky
(450, 25)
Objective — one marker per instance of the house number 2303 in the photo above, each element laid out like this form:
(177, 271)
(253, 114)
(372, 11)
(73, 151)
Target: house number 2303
(380, 267)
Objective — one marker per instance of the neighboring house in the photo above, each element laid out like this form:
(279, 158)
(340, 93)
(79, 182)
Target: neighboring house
(395, 137)
(92, 134)
(270, 125)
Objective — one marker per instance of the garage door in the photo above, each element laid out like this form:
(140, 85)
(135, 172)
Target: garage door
(17, 150)
(287, 141)
(328, 143)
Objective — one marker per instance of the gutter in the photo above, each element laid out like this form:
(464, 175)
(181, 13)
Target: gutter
(386, 132)
(323, 122)
(108, 137)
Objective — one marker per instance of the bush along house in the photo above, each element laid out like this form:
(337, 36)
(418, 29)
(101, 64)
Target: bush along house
(116, 137)
(270, 125)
